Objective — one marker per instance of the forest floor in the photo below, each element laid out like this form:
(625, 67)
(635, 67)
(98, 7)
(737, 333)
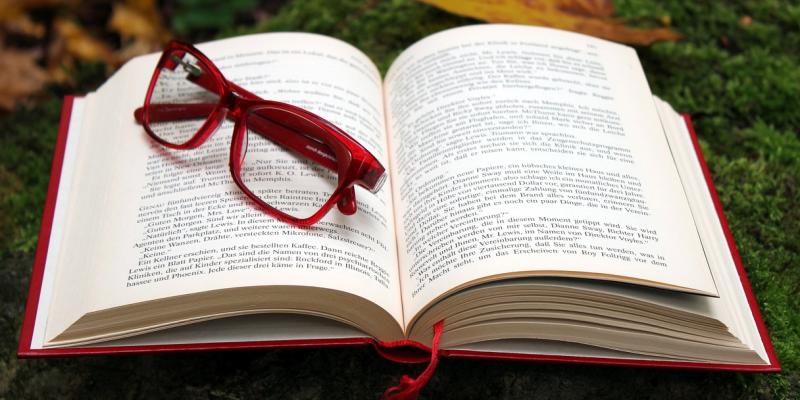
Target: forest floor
(737, 71)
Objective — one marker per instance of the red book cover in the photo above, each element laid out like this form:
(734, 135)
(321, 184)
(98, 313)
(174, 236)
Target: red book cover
(412, 352)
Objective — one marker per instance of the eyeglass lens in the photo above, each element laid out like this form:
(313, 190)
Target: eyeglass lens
(182, 98)
(287, 180)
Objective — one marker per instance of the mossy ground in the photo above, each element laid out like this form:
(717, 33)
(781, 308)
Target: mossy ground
(741, 82)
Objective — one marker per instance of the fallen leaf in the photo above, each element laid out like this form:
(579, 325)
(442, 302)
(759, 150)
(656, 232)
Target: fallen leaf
(140, 26)
(21, 76)
(72, 41)
(63, 41)
(745, 21)
(592, 17)
(14, 19)
(22, 24)
(588, 8)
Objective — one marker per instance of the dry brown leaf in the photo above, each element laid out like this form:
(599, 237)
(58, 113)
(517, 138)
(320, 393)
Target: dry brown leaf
(139, 24)
(21, 76)
(71, 42)
(22, 24)
(588, 8)
(592, 17)
(13, 18)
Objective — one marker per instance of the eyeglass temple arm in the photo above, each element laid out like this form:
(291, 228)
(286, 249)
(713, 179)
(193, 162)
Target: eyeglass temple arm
(373, 176)
(309, 148)
(287, 137)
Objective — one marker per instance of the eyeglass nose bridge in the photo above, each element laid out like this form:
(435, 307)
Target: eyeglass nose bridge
(235, 104)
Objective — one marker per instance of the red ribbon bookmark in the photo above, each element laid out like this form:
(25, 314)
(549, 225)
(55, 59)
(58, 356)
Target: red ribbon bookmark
(409, 388)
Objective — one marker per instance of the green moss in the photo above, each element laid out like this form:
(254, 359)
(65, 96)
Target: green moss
(739, 81)
(26, 144)
(193, 16)
(759, 183)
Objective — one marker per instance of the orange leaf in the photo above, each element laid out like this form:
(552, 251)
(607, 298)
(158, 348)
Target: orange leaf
(14, 19)
(140, 25)
(21, 76)
(745, 21)
(72, 41)
(589, 8)
(592, 17)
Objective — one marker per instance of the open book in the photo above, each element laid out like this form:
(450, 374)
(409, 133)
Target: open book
(540, 201)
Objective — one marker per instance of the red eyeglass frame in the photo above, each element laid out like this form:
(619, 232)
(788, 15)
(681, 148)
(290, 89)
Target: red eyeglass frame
(328, 146)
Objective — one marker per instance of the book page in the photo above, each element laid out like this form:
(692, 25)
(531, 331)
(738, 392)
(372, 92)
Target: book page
(162, 223)
(523, 151)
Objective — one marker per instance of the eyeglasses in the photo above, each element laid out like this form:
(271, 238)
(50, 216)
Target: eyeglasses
(188, 99)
